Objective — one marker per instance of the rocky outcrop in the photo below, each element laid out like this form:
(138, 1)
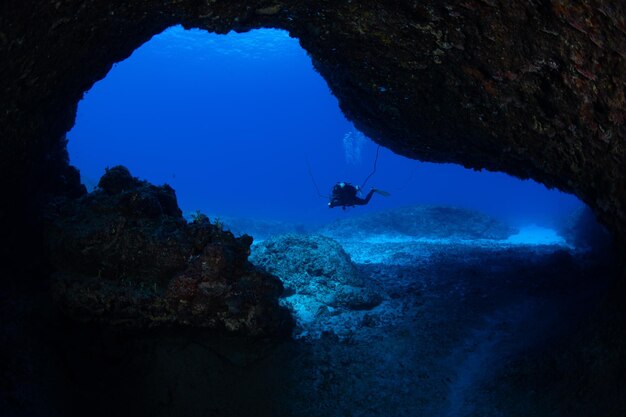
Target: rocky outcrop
(125, 256)
(321, 281)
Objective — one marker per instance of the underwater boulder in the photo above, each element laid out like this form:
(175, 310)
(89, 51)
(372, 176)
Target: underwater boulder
(124, 255)
(305, 255)
(317, 270)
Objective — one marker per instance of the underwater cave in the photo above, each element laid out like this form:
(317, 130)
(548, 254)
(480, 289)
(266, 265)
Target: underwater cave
(453, 292)
(255, 100)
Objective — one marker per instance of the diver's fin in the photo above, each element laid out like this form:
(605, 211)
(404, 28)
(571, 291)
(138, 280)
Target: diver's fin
(381, 192)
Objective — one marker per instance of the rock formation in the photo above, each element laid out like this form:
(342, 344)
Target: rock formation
(126, 257)
(323, 286)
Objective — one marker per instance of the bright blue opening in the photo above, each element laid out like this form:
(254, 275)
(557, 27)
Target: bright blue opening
(231, 120)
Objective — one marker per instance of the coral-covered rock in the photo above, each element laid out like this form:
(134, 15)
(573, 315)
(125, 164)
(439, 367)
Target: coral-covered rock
(294, 257)
(125, 255)
(319, 277)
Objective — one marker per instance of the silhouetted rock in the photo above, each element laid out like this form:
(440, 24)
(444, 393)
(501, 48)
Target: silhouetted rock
(125, 256)
(258, 227)
(117, 179)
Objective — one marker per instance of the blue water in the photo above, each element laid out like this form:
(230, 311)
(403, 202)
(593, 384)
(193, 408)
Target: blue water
(230, 122)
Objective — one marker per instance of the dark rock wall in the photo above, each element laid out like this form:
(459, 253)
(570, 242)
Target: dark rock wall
(535, 89)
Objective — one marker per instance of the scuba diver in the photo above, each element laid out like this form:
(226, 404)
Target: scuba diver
(345, 195)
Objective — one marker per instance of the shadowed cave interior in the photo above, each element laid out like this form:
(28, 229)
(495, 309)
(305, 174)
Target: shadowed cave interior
(427, 310)
(451, 303)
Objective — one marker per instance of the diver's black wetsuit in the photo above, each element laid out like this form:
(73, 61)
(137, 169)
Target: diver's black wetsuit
(344, 195)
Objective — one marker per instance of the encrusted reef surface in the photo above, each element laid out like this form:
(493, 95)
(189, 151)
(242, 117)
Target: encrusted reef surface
(125, 256)
(320, 279)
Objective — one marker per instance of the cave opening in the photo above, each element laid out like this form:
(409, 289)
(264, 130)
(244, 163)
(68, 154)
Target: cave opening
(247, 132)
(440, 286)
(242, 126)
